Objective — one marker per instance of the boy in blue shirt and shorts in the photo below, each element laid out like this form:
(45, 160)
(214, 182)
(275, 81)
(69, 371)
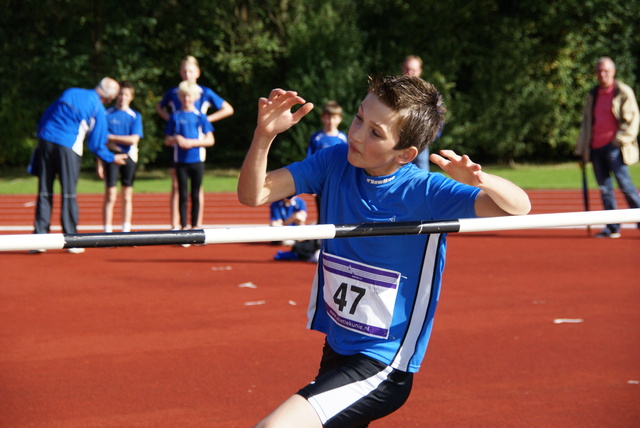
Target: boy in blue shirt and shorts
(373, 297)
(170, 103)
(125, 131)
(189, 133)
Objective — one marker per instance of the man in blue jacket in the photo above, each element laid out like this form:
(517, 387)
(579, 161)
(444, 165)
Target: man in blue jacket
(77, 114)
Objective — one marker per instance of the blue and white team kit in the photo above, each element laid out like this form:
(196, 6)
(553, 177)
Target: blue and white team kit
(280, 211)
(321, 140)
(208, 99)
(67, 121)
(377, 295)
(125, 122)
(192, 125)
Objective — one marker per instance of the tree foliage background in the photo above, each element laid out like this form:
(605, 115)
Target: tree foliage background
(514, 74)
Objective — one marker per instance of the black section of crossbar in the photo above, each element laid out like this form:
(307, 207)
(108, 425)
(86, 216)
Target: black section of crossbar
(181, 237)
(128, 239)
(397, 228)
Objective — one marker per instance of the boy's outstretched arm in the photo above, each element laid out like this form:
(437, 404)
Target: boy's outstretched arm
(255, 185)
(498, 196)
(225, 111)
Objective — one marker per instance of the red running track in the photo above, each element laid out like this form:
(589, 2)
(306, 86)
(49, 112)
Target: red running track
(534, 328)
(151, 210)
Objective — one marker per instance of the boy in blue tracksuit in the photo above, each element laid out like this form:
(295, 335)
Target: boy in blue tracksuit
(374, 298)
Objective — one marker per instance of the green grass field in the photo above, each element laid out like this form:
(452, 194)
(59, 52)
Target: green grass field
(560, 176)
(158, 181)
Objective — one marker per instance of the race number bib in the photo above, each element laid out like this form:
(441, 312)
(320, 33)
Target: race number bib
(359, 297)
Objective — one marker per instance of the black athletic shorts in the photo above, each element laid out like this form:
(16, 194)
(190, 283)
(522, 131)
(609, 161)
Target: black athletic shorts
(351, 391)
(127, 173)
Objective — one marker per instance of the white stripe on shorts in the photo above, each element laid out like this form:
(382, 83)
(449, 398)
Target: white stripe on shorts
(330, 403)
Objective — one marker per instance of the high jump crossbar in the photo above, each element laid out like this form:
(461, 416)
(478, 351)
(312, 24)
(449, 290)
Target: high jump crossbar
(222, 235)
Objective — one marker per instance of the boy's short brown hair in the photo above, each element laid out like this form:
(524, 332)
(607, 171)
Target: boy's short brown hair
(128, 85)
(332, 107)
(418, 105)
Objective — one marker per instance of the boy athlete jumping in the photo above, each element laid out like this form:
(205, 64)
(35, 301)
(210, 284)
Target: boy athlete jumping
(373, 297)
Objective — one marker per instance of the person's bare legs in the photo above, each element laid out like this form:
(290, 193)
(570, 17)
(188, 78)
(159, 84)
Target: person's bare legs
(110, 197)
(296, 412)
(127, 208)
(175, 213)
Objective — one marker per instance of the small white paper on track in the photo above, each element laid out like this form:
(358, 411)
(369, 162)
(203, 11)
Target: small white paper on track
(568, 320)
(247, 285)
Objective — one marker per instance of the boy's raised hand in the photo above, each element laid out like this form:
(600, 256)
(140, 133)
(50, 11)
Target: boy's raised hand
(275, 113)
(497, 197)
(460, 168)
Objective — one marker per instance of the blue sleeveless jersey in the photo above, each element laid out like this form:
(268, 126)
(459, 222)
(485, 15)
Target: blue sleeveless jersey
(378, 295)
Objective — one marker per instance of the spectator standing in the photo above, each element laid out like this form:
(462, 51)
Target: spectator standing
(609, 138)
(329, 136)
(412, 66)
(190, 72)
(125, 131)
(77, 114)
(189, 133)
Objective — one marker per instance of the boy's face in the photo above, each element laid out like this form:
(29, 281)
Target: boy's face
(124, 98)
(411, 67)
(287, 201)
(188, 100)
(372, 138)
(189, 72)
(331, 121)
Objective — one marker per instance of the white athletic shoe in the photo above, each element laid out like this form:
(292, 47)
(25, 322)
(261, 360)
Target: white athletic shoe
(75, 250)
(606, 233)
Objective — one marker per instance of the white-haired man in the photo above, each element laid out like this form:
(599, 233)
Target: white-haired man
(77, 114)
(609, 138)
